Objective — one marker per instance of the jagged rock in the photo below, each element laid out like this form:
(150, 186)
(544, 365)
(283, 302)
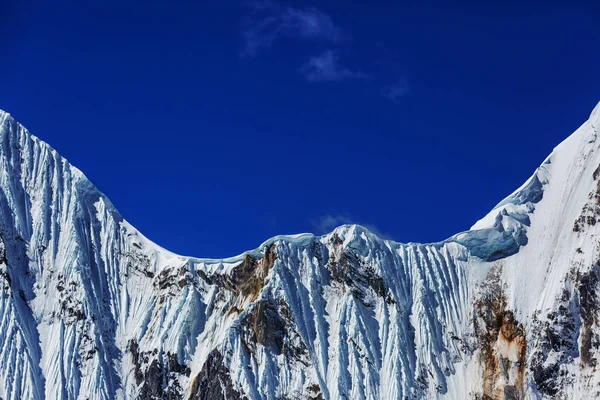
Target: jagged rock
(157, 374)
(214, 382)
(91, 309)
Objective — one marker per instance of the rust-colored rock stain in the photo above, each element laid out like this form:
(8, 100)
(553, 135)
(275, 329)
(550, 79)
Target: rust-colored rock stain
(503, 345)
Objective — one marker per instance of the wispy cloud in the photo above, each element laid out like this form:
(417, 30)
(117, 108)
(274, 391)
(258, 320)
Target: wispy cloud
(393, 73)
(327, 67)
(271, 21)
(328, 223)
(378, 232)
(396, 91)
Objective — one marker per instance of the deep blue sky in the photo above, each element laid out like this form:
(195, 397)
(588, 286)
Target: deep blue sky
(214, 125)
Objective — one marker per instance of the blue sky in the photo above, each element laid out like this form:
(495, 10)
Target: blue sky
(213, 126)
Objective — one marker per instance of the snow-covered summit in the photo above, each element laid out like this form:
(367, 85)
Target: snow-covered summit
(93, 309)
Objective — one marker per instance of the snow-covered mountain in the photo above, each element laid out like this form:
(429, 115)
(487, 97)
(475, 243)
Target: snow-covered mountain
(91, 309)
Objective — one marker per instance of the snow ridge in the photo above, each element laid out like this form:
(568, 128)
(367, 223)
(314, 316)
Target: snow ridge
(93, 309)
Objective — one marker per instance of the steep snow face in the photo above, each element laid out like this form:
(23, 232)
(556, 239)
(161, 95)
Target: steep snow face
(91, 309)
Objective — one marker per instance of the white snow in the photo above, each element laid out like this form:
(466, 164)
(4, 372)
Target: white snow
(84, 283)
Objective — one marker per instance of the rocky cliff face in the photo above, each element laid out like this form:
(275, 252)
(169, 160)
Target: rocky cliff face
(91, 309)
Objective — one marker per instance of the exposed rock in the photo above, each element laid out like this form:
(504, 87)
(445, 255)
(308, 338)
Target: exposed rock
(555, 346)
(157, 374)
(246, 279)
(587, 286)
(344, 315)
(214, 382)
(270, 323)
(138, 262)
(502, 342)
(568, 333)
(266, 325)
(314, 392)
(172, 280)
(590, 214)
(348, 269)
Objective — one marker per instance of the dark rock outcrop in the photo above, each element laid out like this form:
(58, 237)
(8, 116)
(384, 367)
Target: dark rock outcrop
(349, 270)
(213, 382)
(157, 374)
(502, 343)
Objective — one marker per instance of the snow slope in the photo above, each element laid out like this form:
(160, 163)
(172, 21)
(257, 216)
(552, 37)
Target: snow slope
(91, 309)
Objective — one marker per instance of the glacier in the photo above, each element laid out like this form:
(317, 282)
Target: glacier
(92, 309)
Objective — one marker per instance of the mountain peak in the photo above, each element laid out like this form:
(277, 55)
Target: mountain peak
(595, 117)
(595, 111)
(508, 309)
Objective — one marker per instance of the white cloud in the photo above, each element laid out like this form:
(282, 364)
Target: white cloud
(328, 223)
(327, 67)
(271, 21)
(396, 91)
